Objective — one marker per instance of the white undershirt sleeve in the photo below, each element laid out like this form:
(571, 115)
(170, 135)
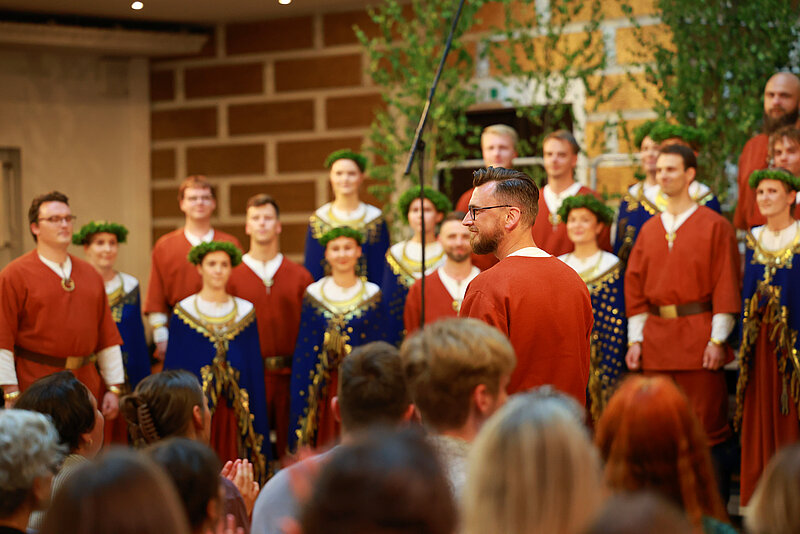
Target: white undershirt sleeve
(110, 362)
(8, 373)
(636, 327)
(159, 321)
(722, 325)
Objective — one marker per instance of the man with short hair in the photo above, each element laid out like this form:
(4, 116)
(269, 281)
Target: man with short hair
(54, 314)
(172, 277)
(446, 286)
(457, 370)
(682, 294)
(275, 285)
(560, 151)
(781, 99)
(784, 146)
(498, 149)
(372, 391)
(535, 299)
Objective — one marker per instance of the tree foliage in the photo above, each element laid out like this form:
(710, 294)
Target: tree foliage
(711, 73)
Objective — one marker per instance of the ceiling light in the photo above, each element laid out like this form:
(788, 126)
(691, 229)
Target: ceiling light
(137, 5)
(284, 2)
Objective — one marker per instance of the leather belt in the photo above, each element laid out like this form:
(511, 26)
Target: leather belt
(70, 363)
(277, 363)
(673, 311)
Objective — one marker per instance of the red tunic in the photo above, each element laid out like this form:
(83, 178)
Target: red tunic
(754, 157)
(553, 238)
(278, 318)
(172, 277)
(481, 261)
(40, 316)
(548, 322)
(703, 266)
(438, 302)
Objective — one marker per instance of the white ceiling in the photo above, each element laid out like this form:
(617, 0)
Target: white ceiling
(188, 11)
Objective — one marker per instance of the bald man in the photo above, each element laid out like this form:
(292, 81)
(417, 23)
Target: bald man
(781, 99)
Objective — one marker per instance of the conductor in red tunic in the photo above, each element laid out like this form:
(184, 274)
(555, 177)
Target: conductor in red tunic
(446, 286)
(275, 286)
(172, 277)
(54, 314)
(538, 301)
(682, 294)
(560, 152)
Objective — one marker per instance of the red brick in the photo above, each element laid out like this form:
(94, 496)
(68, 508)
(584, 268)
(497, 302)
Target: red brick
(310, 155)
(225, 159)
(337, 28)
(352, 111)
(275, 35)
(162, 163)
(291, 197)
(270, 117)
(209, 50)
(183, 123)
(318, 73)
(164, 203)
(162, 85)
(223, 80)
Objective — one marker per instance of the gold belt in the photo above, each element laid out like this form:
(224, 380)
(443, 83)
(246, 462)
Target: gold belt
(673, 311)
(277, 363)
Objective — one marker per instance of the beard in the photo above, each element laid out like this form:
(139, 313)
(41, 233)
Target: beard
(486, 243)
(772, 124)
(458, 257)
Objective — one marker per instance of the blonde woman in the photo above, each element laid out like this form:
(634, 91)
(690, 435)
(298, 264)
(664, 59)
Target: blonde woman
(773, 508)
(533, 468)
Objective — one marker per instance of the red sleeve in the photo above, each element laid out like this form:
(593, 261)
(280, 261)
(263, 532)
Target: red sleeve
(726, 296)
(9, 309)
(481, 306)
(411, 310)
(635, 278)
(156, 301)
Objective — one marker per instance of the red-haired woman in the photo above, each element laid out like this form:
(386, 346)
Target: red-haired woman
(651, 440)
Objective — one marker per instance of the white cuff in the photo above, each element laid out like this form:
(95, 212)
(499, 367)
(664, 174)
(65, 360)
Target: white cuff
(8, 373)
(636, 327)
(722, 325)
(110, 362)
(160, 334)
(159, 323)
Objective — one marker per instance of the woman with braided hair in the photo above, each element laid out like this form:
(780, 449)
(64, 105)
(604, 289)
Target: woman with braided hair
(214, 335)
(172, 404)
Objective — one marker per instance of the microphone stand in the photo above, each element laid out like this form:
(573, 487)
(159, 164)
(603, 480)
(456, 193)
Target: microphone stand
(418, 150)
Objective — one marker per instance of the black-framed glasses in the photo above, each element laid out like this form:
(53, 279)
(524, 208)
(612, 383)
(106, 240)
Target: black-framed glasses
(56, 219)
(473, 210)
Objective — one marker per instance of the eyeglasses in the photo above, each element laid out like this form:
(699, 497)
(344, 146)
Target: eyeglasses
(56, 219)
(203, 198)
(473, 210)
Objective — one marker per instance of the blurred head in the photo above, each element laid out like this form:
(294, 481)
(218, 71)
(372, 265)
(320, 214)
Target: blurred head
(215, 270)
(342, 254)
(676, 168)
(167, 404)
(385, 482)
(499, 146)
(781, 98)
(784, 149)
(30, 454)
(346, 171)
(455, 237)
(194, 469)
(426, 208)
(372, 388)
(532, 468)
(560, 153)
(634, 513)
(583, 226)
(774, 198)
(651, 439)
(262, 224)
(648, 152)
(71, 407)
(50, 219)
(196, 198)
(773, 507)
(90, 500)
(101, 250)
(458, 370)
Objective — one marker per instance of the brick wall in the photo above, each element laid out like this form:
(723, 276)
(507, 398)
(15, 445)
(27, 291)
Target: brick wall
(263, 104)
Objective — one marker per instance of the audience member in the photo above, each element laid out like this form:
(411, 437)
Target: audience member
(123, 492)
(651, 439)
(372, 391)
(533, 469)
(457, 370)
(637, 513)
(73, 410)
(29, 455)
(775, 506)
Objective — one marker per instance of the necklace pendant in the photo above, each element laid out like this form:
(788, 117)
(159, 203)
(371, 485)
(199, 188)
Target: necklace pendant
(554, 220)
(457, 306)
(268, 284)
(68, 284)
(670, 236)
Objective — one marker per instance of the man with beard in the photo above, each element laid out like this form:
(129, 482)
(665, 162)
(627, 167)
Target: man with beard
(535, 299)
(781, 98)
(446, 286)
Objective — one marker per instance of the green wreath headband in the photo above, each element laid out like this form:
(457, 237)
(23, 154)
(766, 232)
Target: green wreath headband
(199, 252)
(346, 153)
(603, 213)
(781, 175)
(340, 231)
(440, 201)
(643, 130)
(663, 131)
(84, 236)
